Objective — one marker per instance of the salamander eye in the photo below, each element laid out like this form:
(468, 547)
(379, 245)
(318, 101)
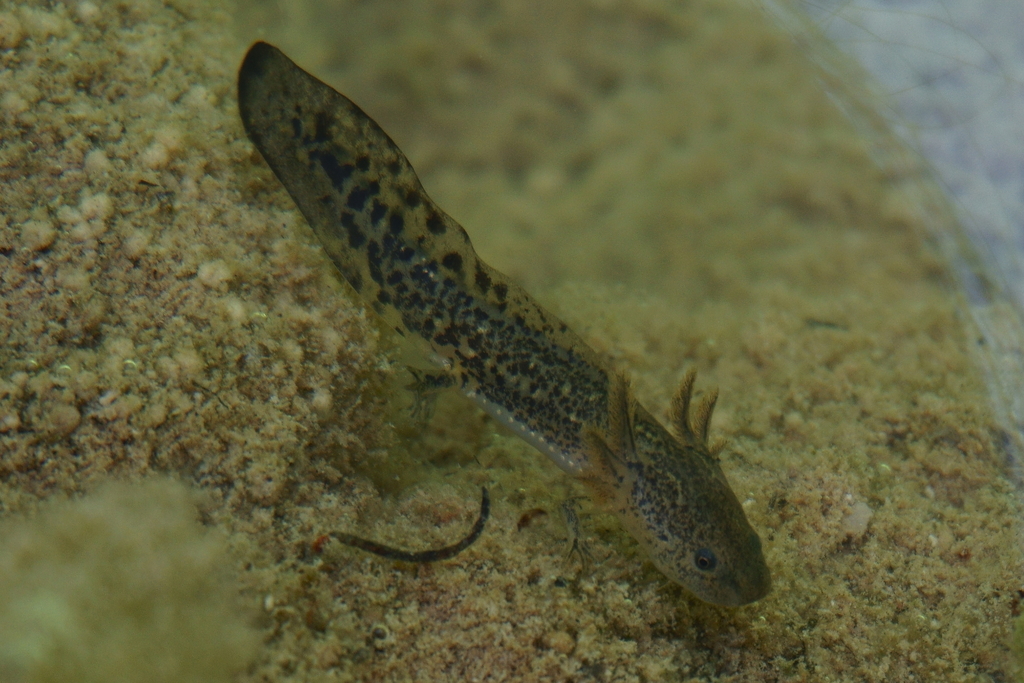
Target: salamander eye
(705, 560)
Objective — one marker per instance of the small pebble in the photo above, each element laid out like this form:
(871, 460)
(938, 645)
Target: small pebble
(11, 31)
(560, 641)
(856, 522)
(62, 420)
(38, 235)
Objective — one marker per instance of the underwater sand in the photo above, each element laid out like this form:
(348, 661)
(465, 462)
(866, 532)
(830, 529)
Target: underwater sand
(670, 179)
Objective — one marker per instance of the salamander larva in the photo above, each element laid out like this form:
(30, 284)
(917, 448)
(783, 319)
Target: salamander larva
(416, 268)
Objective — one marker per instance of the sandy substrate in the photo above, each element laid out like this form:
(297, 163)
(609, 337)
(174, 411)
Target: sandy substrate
(672, 180)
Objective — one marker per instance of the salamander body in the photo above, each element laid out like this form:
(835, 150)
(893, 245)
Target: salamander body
(416, 268)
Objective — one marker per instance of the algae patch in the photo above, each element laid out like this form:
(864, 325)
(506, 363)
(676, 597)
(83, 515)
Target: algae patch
(120, 585)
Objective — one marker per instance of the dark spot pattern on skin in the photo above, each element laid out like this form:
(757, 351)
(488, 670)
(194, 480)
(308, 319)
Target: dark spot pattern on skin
(356, 237)
(396, 224)
(355, 279)
(413, 199)
(297, 127)
(394, 167)
(363, 163)
(483, 280)
(435, 224)
(322, 130)
(337, 173)
(377, 212)
(358, 195)
(501, 291)
(446, 338)
(452, 261)
(373, 258)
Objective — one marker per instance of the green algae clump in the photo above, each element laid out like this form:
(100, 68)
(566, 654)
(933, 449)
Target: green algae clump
(121, 585)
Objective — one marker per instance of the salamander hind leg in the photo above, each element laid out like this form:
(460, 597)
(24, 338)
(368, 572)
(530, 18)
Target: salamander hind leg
(425, 387)
(570, 510)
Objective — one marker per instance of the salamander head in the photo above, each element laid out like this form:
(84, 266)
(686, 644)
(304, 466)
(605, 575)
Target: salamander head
(672, 496)
(695, 531)
(680, 507)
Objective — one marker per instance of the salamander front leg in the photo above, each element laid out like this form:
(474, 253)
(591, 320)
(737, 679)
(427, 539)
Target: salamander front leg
(570, 510)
